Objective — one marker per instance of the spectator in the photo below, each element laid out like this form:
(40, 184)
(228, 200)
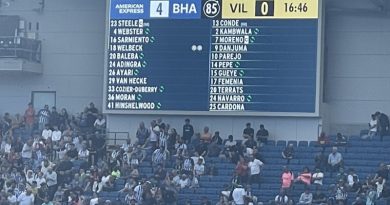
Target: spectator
(238, 195)
(334, 160)
(159, 156)
(250, 143)
(306, 198)
(323, 141)
(321, 161)
(288, 153)
(371, 195)
(188, 131)
(382, 124)
(100, 124)
(341, 194)
(262, 135)
(43, 117)
(154, 133)
(47, 132)
(213, 150)
(242, 171)
(142, 134)
(180, 147)
(248, 131)
(373, 128)
(383, 171)
(351, 176)
(199, 167)
(319, 198)
(29, 118)
(282, 199)
(304, 177)
(255, 168)
(206, 135)
(187, 165)
(380, 184)
(216, 138)
(318, 177)
(287, 179)
(54, 119)
(341, 140)
(230, 147)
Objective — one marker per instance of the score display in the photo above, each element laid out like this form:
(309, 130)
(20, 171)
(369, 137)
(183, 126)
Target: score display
(245, 57)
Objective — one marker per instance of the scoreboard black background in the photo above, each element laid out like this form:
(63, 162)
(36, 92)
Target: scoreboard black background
(186, 62)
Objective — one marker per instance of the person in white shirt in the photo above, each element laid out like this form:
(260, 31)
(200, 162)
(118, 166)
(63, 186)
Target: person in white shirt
(255, 167)
(46, 133)
(373, 127)
(184, 181)
(83, 153)
(26, 198)
(100, 123)
(56, 135)
(27, 151)
(317, 177)
(199, 167)
(239, 195)
(8, 146)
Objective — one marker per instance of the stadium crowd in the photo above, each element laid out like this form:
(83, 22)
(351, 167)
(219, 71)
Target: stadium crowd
(63, 159)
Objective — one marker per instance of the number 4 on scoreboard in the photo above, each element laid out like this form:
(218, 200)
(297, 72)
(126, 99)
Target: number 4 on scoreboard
(159, 9)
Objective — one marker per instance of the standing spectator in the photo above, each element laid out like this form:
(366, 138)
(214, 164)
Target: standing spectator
(334, 160)
(216, 138)
(29, 118)
(248, 131)
(154, 133)
(262, 135)
(287, 179)
(43, 117)
(27, 153)
(230, 147)
(188, 131)
(188, 165)
(238, 195)
(288, 153)
(92, 113)
(51, 181)
(242, 171)
(341, 194)
(64, 119)
(54, 119)
(142, 134)
(306, 198)
(383, 172)
(321, 161)
(323, 141)
(255, 167)
(373, 128)
(383, 124)
(26, 198)
(159, 156)
(100, 124)
(206, 137)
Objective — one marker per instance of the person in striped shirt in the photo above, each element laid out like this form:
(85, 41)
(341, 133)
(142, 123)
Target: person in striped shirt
(188, 165)
(43, 117)
(159, 156)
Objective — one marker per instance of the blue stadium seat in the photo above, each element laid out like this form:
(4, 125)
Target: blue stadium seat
(281, 143)
(303, 144)
(293, 142)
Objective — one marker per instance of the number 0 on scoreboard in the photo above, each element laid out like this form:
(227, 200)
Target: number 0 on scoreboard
(264, 8)
(159, 9)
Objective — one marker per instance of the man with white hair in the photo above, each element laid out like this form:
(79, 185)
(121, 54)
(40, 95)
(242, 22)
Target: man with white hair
(334, 160)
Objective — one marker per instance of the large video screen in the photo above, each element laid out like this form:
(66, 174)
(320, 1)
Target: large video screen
(255, 57)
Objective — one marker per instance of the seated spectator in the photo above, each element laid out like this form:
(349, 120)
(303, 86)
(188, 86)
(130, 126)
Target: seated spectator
(142, 134)
(180, 148)
(319, 198)
(382, 124)
(250, 143)
(199, 167)
(335, 160)
(341, 175)
(184, 181)
(46, 133)
(383, 171)
(306, 198)
(187, 166)
(351, 176)
(262, 135)
(304, 177)
(341, 140)
(317, 177)
(341, 194)
(248, 131)
(323, 141)
(282, 199)
(321, 161)
(288, 153)
(193, 182)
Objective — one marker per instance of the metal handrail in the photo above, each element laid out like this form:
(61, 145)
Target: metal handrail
(116, 138)
(20, 47)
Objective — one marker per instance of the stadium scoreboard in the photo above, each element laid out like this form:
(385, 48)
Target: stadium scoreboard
(246, 57)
